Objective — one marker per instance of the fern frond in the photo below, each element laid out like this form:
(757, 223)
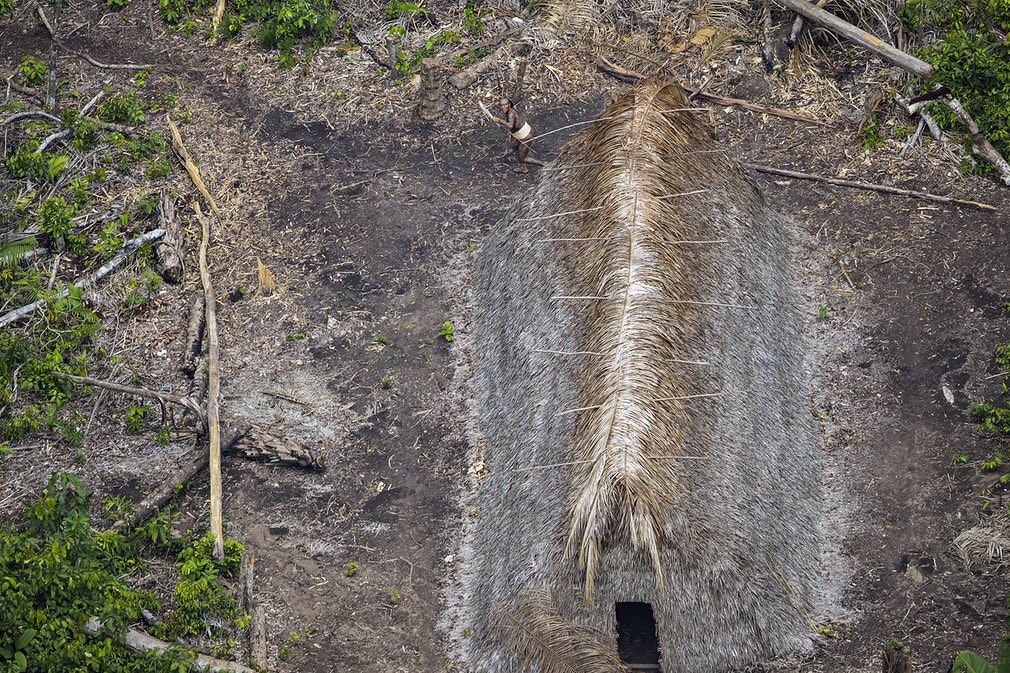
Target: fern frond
(14, 251)
(542, 640)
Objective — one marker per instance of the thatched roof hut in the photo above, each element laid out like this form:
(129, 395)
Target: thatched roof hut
(639, 389)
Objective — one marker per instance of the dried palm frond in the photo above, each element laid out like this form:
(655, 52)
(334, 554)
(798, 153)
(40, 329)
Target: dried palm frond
(621, 490)
(987, 542)
(541, 639)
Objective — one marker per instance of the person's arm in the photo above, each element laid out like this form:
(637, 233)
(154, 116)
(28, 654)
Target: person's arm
(508, 122)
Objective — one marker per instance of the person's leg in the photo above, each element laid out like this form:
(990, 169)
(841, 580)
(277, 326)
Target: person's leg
(521, 151)
(525, 156)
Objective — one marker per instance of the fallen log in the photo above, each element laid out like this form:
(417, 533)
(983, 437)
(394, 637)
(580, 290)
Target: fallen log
(887, 52)
(866, 185)
(140, 642)
(213, 384)
(128, 248)
(257, 447)
(465, 78)
(247, 601)
(194, 338)
(169, 250)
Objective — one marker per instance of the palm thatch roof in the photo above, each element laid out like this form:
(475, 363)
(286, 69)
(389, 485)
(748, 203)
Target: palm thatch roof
(639, 389)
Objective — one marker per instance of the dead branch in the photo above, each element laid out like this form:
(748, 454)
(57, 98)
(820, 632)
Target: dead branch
(80, 54)
(794, 34)
(185, 402)
(916, 109)
(169, 250)
(138, 641)
(53, 42)
(214, 386)
(979, 144)
(128, 248)
(30, 113)
(191, 168)
(192, 464)
(866, 185)
(25, 91)
(609, 68)
(861, 37)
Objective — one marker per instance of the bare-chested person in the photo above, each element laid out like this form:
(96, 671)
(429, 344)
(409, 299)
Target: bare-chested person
(522, 135)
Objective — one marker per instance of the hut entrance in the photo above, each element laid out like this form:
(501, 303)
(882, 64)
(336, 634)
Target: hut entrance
(637, 643)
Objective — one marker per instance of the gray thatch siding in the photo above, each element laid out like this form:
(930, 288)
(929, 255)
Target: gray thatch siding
(703, 507)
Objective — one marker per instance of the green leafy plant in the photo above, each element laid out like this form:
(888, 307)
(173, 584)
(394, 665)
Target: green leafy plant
(394, 596)
(57, 572)
(122, 107)
(446, 332)
(970, 58)
(871, 138)
(351, 569)
(387, 382)
(958, 459)
(133, 417)
(32, 71)
(397, 8)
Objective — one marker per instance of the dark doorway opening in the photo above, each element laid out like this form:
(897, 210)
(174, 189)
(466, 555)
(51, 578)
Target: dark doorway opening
(637, 643)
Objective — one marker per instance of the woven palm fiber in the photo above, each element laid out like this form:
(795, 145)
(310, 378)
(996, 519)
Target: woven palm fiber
(640, 393)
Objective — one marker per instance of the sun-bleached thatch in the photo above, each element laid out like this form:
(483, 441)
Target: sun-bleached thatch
(640, 395)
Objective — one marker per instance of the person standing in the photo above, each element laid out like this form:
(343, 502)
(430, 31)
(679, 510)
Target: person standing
(522, 134)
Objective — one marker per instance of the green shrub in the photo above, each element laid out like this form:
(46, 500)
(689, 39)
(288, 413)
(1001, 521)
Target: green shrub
(32, 71)
(122, 107)
(969, 59)
(55, 574)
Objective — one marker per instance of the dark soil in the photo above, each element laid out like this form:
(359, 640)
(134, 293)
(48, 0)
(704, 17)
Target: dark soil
(369, 232)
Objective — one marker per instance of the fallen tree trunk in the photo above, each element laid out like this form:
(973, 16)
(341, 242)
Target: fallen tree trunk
(138, 641)
(247, 601)
(242, 440)
(169, 249)
(128, 248)
(866, 185)
(861, 37)
(213, 386)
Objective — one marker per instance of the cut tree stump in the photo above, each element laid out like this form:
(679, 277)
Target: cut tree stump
(169, 250)
(432, 103)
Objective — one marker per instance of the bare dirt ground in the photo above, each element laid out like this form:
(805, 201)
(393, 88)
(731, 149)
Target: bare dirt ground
(368, 219)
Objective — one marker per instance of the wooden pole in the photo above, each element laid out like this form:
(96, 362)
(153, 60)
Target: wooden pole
(860, 37)
(191, 168)
(213, 389)
(866, 185)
